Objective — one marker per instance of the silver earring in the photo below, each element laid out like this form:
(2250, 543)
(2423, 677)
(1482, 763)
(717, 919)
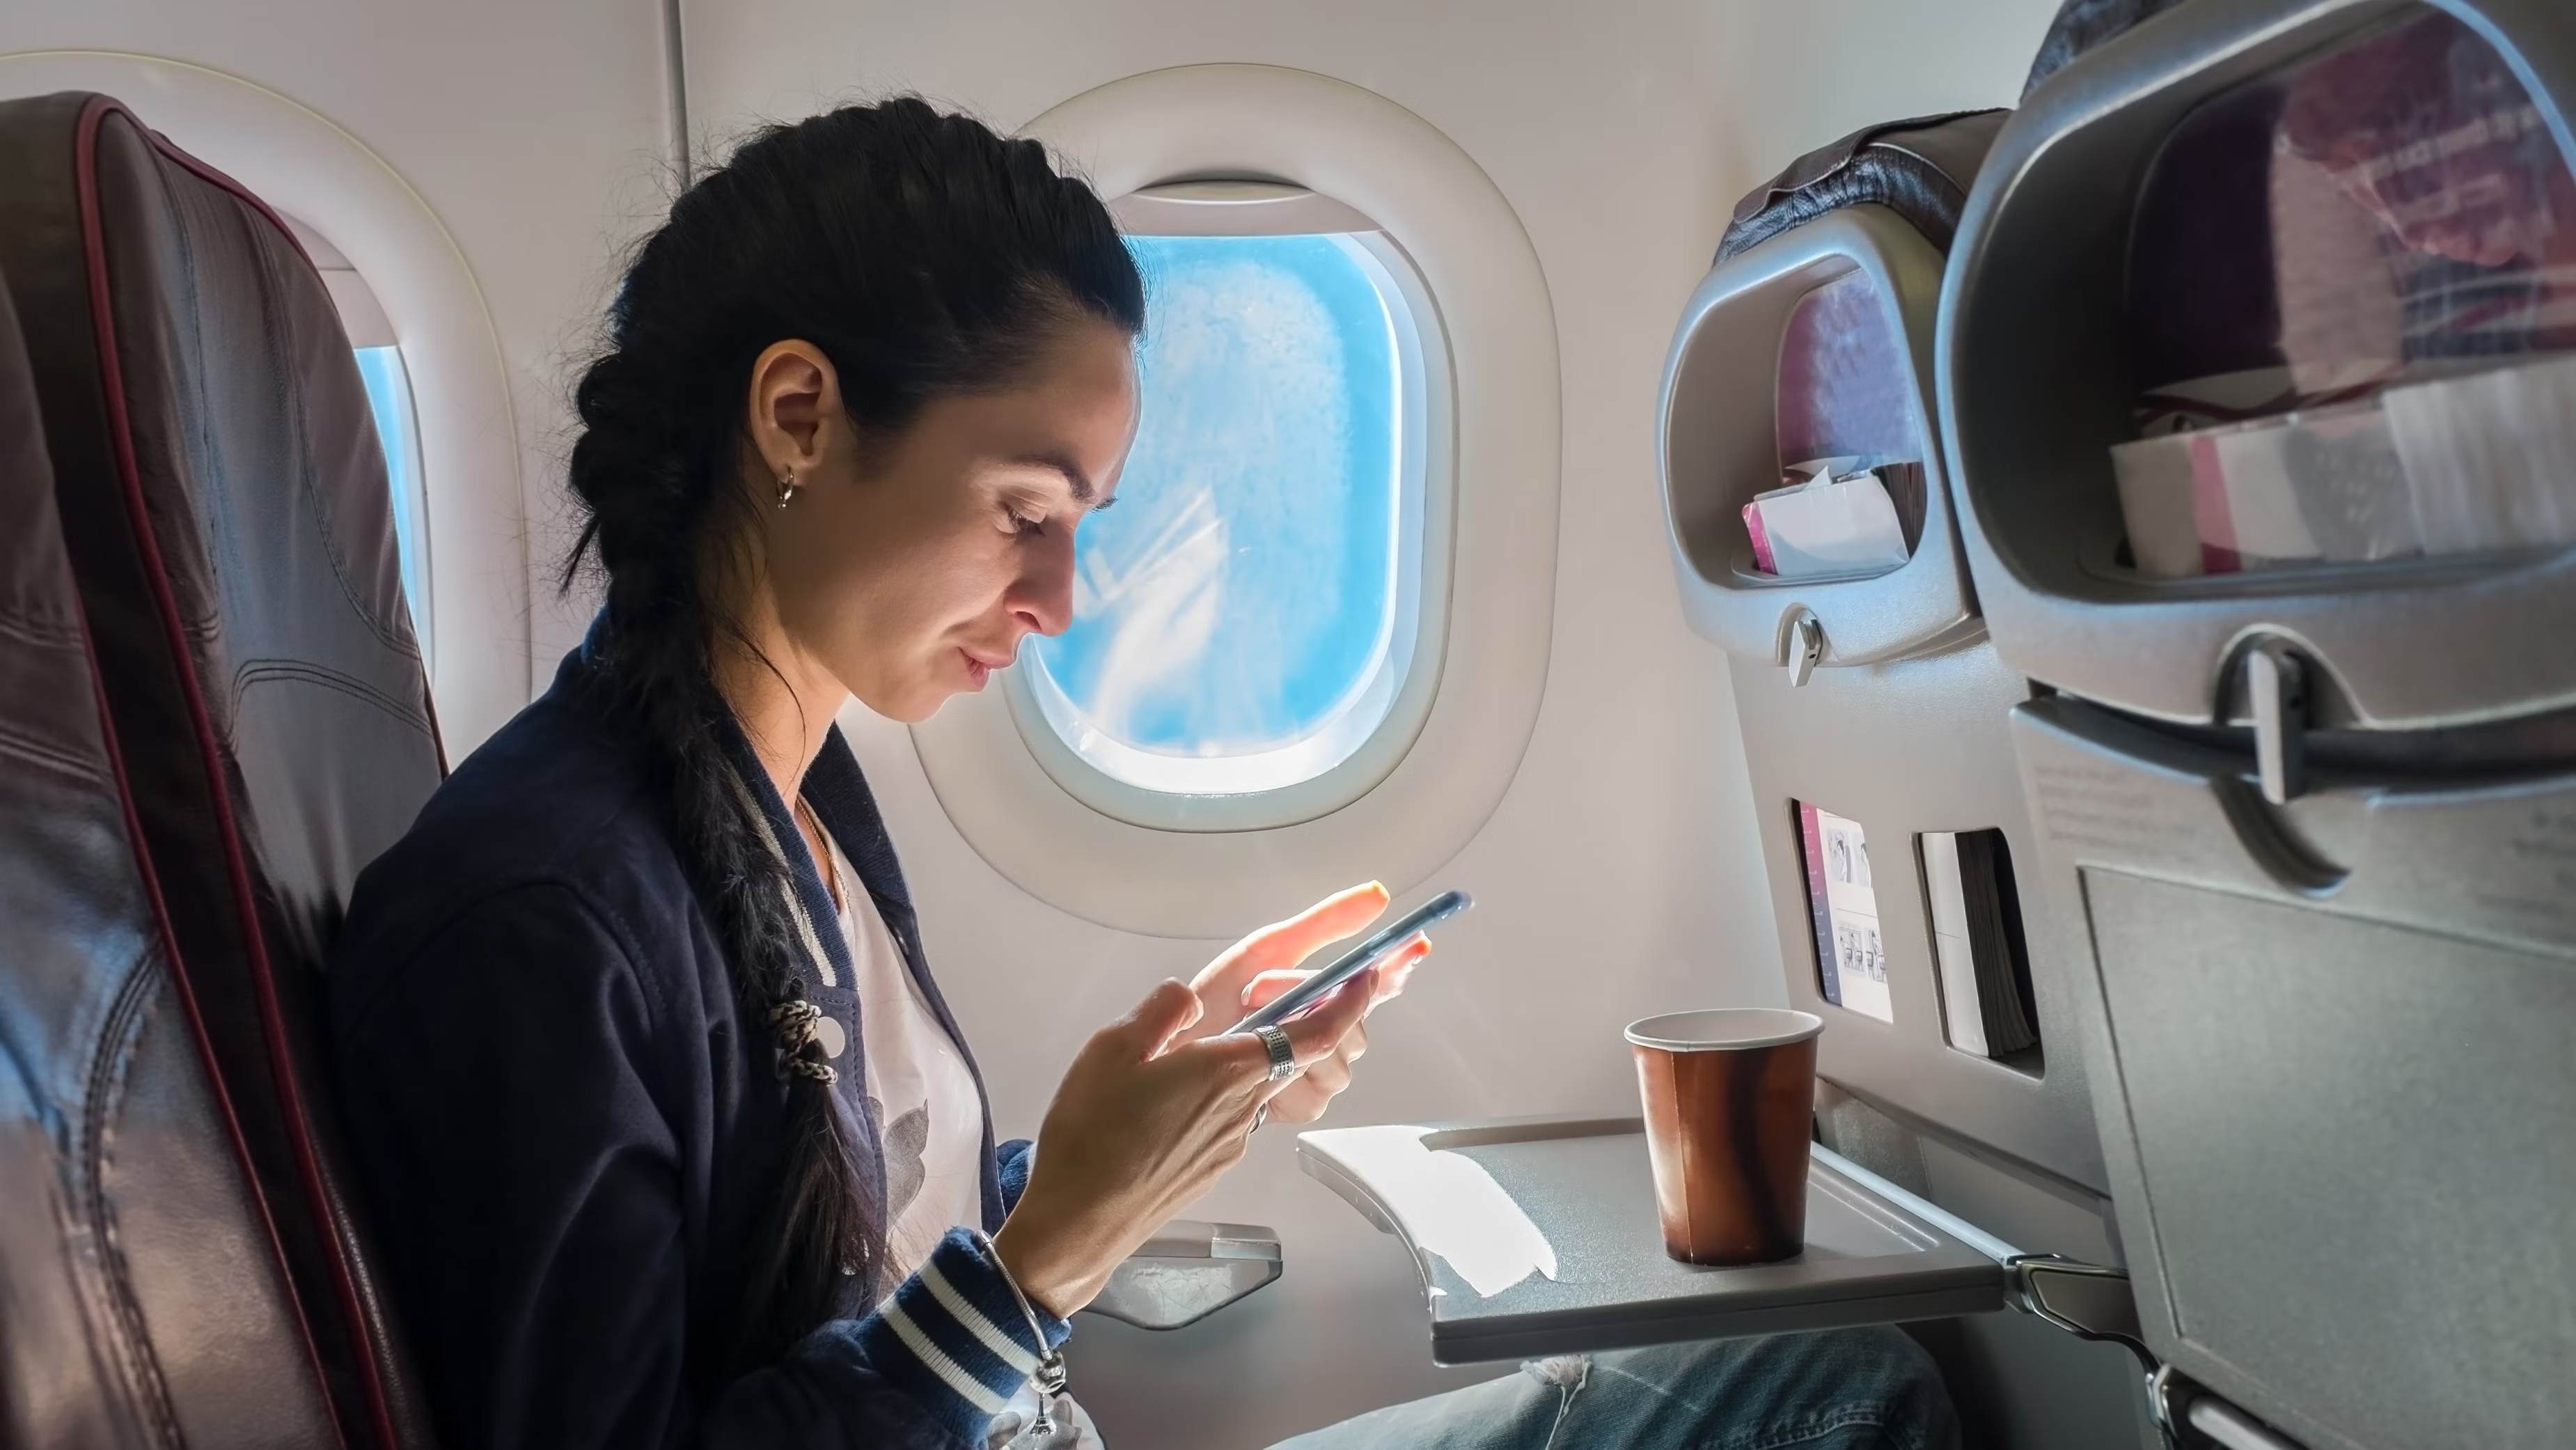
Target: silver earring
(786, 488)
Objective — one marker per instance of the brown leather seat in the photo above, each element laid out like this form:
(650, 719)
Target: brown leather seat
(219, 499)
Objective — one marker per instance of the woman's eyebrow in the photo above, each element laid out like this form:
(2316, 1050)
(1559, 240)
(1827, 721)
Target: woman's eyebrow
(1074, 478)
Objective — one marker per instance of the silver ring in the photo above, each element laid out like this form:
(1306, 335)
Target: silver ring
(1260, 1116)
(1283, 1058)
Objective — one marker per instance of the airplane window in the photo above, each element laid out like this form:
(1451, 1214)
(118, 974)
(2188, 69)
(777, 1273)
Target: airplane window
(397, 429)
(1240, 619)
(1292, 642)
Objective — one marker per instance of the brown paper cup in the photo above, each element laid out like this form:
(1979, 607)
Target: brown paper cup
(1729, 1097)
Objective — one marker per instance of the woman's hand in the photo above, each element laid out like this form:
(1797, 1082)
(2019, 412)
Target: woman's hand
(1265, 964)
(1145, 1120)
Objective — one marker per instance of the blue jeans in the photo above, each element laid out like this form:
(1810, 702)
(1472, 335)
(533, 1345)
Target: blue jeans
(1844, 1389)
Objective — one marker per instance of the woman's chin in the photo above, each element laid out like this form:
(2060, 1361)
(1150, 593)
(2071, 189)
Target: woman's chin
(909, 705)
(921, 707)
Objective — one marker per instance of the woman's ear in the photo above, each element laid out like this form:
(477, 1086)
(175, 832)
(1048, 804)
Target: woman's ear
(795, 404)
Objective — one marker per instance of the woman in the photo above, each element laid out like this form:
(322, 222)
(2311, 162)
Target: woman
(669, 1135)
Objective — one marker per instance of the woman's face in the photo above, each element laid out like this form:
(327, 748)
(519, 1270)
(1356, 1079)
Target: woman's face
(912, 570)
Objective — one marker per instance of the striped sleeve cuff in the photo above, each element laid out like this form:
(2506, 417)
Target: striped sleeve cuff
(954, 1336)
(1012, 1162)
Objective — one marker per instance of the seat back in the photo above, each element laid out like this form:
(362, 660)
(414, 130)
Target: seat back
(131, 1237)
(223, 507)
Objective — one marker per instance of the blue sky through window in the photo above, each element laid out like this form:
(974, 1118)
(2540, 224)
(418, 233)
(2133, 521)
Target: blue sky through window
(1242, 592)
(389, 397)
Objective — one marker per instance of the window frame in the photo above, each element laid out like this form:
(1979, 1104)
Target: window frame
(1497, 329)
(369, 330)
(1193, 798)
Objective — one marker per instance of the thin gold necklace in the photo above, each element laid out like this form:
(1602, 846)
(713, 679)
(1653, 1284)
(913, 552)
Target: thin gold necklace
(823, 858)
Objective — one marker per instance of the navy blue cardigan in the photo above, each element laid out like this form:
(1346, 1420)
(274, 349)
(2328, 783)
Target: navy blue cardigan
(568, 1133)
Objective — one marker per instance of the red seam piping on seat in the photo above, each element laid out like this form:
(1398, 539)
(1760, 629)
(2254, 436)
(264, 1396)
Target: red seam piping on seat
(95, 260)
(206, 172)
(223, 1097)
(272, 1018)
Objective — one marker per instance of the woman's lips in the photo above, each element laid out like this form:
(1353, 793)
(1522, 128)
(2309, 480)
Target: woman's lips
(980, 667)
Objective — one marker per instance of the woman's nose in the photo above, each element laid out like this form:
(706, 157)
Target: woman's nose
(1044, 595)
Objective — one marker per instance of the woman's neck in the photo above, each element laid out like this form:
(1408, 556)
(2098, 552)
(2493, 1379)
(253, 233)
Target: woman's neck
(781, 696)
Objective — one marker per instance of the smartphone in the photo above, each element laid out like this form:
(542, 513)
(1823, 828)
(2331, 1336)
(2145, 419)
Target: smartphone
(1355, 961)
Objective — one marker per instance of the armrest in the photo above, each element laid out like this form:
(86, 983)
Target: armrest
(1187, 1271)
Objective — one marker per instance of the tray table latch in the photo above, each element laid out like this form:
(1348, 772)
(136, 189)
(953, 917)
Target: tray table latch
(2276, 689)
(2086, 1300)
(1802, 644)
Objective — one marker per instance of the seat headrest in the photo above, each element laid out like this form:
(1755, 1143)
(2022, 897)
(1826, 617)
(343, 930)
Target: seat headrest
(2080, 26)
(1919, 168)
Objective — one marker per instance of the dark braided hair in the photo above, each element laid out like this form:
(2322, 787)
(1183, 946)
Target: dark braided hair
(925, 256)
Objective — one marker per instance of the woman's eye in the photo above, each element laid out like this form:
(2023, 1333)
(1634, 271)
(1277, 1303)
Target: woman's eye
(1024, 525)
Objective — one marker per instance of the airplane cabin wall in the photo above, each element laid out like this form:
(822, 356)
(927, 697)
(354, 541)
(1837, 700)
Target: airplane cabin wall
(1619, 875)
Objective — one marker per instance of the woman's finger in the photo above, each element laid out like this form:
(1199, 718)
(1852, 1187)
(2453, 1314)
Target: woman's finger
(1241, 1060)
(1301, 1102)
(1326, 1079)
(1238, 1063)
(1305, 1100)
(1315, 1035)
(1166, 1010)
(1264, 988)
(1394, 973)
(1297, 1107)
(1286, 943)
